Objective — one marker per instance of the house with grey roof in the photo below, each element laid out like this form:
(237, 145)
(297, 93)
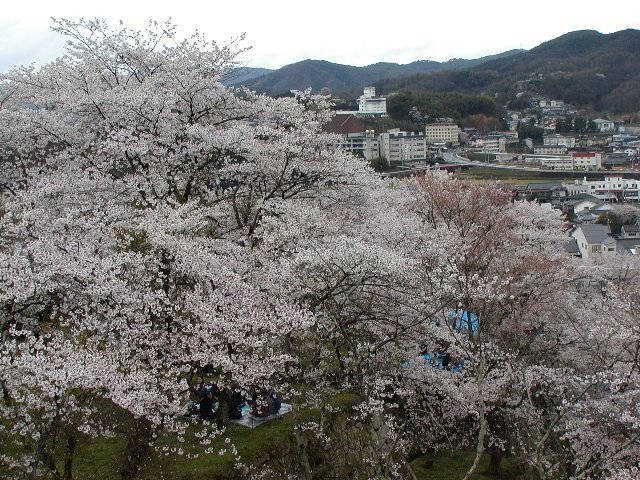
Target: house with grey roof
(571, 248)
(628, 241)
(630, 231)
(594, 239)
(628, 246)
(585, 217)
(543, 192)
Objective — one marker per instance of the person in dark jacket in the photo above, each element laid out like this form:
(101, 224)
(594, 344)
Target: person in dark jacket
(206, 406)
(235, 405)
(276, 403)
(199, 390)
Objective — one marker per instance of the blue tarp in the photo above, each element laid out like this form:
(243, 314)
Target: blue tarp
(465, 320)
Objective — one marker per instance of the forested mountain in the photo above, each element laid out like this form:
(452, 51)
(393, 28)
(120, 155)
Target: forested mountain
(318, 74)
(586, 68)
(241, 75)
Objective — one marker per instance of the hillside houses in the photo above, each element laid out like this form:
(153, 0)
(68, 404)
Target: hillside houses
(593, 239)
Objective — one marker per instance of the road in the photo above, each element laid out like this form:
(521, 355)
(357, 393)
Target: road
(451, 157)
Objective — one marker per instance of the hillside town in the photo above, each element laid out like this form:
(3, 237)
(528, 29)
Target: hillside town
(610, 150)
(598, 145)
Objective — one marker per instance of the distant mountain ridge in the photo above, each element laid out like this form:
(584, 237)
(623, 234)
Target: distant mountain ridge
(319, 74)
(586, 68)
(241, 75)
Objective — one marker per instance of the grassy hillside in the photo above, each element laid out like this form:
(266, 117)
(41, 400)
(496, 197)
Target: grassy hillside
(275, 443)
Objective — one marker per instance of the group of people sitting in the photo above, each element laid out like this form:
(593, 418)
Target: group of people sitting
(440, 358)
(207, 398)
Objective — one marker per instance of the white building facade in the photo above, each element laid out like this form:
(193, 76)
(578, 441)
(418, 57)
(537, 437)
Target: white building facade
(442, 133)
(559, 140)
(594, 239)
(365, 144)
(604, 125)
(369, 104)
(401, 147)
(610, 189)
(550, 150)
(587, 161)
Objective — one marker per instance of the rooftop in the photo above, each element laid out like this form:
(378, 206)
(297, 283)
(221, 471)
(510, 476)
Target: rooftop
(630, 246)
(545, 186)
(596, 233)
(571, 246)
(344, 124)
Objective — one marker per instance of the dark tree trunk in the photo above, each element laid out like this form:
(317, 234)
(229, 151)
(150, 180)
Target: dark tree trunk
(137, 448)
(45, 449)
(70, 448)
(222, 415)
(495, 459)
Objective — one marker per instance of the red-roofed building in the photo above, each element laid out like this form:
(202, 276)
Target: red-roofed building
(344, 124)
(586, 161)
(355, 137)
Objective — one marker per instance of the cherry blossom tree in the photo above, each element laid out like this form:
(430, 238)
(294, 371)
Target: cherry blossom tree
(155, 225)
(135, 199)
(523, 321)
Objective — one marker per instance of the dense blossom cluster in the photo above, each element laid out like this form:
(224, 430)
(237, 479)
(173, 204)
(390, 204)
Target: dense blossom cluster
(155, 224)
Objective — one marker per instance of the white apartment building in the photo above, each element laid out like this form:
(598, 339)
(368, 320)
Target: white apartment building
(550, 150)
(555, 162)
(611, 189)
(369, 104)
(559, 140)
(589, 161)
(604, 125)
(490, 143)
(586, 161)
(443, 133)
(400, 147)
(365, 144)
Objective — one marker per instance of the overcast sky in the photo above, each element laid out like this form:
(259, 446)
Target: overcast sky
(344, 31)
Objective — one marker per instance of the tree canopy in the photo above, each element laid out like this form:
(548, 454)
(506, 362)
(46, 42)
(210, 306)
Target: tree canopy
(434, 105)
(156, 226)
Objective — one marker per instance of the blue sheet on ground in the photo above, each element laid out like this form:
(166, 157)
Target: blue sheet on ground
(465, 320)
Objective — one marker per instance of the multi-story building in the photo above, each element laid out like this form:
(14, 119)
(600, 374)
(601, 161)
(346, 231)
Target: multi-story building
(559, 140)
(556, 162)
(443, 133)
(369, 104)
(550, 150)
(576, 161)
(586, 161)
(354, 136)
(604, 125)
(401, 147)
(490, 143)
(366, 144)
(610, 189)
